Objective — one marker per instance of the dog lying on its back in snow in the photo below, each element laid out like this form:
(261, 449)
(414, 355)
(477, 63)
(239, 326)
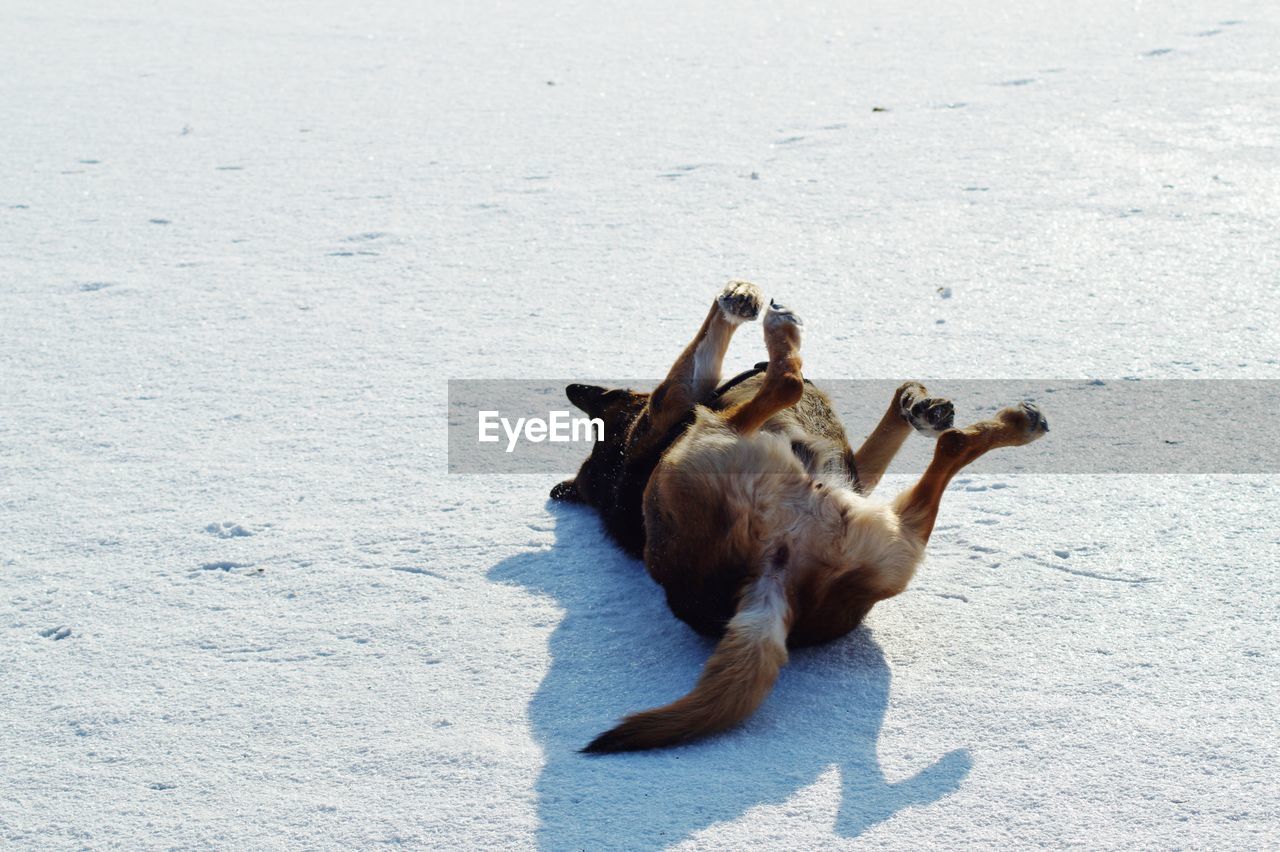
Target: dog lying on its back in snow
(751, 511)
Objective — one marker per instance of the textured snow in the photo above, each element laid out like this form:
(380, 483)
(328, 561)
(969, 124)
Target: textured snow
(243, 246)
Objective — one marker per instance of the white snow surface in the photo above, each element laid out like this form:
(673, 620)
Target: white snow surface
(244, 245)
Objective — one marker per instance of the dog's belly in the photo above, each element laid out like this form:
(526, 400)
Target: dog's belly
(717, 506)
(705, 515)
(721, 506)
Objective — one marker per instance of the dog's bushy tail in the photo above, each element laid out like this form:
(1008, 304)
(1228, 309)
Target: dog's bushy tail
(737, 678)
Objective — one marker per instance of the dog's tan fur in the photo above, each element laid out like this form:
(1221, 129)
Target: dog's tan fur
(754, 508)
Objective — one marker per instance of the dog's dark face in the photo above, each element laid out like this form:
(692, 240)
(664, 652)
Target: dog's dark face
(599, 474)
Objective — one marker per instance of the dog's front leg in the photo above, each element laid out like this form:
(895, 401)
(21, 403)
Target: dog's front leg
(911, 407)
(695, 375)
(783, 384)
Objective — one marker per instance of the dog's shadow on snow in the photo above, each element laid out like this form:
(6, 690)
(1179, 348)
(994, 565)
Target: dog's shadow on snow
(619, 649)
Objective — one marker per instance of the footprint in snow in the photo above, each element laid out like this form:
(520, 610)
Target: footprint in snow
(224, 566)
(56, 633)
(227, 529)
(995, 486)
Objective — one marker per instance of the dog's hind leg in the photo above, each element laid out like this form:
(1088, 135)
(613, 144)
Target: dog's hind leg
(917, 507)
(783, 384)
(911, 407)
(696, 373)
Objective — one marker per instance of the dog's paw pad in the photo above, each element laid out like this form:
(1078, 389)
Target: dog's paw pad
(928, 415)
(740, 301)
(931, 415)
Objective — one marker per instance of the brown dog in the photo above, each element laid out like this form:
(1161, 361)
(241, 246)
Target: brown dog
(750, 509)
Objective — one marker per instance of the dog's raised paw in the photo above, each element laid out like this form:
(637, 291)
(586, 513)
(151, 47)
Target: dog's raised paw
(781, 315)
(781, 331)
(1027, 419)
(1037, 423)
(740, 301)
(932, 416)
(928, 415)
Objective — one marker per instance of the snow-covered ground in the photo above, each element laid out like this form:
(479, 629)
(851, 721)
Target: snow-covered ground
(243, 246)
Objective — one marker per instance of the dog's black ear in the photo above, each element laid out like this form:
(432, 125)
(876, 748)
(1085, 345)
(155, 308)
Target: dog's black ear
(589, 398)
(566, 491)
